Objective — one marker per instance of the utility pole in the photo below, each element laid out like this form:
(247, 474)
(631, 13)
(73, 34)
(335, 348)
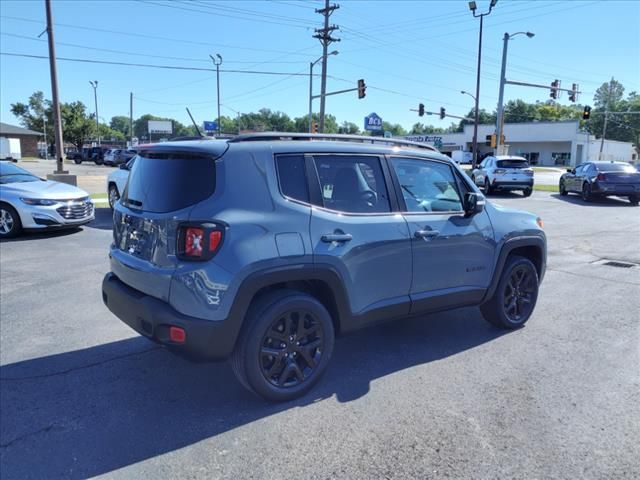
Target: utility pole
(131, 119)
(57, 118)
(324, 35)
(94, 84)
(46, 145)
(606, 117)
(217, 63)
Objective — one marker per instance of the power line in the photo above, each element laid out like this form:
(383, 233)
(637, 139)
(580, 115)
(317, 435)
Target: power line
(169, 67)
(153, 37)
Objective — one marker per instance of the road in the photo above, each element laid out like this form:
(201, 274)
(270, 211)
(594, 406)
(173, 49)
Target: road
(444, 396)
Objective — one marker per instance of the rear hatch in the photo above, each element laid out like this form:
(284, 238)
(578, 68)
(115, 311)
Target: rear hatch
(162, 189)
(514, 166)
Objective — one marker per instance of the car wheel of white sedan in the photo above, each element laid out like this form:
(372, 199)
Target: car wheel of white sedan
(114, 195)
(10, 224)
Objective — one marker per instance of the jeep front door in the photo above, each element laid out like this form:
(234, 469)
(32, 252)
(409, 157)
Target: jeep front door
(452, 253)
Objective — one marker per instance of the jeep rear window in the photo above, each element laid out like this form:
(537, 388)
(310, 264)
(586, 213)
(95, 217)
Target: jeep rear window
(292, 178)
(513, 163)
(165, 182)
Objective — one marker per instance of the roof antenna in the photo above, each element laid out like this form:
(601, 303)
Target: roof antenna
(194, 122)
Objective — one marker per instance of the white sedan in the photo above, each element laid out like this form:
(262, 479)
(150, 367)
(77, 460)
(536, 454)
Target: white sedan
(117, 180)
(28, 202)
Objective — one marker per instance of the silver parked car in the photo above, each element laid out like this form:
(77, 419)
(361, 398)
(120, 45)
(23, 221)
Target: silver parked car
(504, 172)
(32, 203)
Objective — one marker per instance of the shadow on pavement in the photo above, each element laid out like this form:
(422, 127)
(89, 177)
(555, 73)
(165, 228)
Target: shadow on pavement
(43, 235)
(595, 202)
(89, 412)
(103, 220)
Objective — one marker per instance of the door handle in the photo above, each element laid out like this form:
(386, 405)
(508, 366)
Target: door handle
(336, 237)
(426, 233)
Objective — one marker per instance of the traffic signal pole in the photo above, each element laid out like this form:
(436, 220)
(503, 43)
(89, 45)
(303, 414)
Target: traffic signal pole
(57, 118)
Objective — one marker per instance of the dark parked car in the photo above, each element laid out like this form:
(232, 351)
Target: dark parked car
(264, 247)
(88, 154)
(602, 179)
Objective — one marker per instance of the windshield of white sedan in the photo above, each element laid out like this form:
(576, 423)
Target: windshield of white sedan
(9, 173)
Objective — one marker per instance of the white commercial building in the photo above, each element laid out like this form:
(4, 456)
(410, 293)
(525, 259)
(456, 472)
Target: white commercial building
(542, 143)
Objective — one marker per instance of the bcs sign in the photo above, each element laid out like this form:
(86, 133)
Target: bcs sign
(373, 122)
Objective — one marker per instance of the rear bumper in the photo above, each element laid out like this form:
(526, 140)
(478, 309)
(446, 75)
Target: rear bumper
(205, 339)
(620, 189)
(511, 185)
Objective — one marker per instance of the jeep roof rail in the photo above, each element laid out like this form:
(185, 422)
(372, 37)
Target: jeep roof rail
(284, 136)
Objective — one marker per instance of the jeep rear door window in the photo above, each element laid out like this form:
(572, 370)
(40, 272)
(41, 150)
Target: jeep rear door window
(427, 186)
(352, 183)
(292, 178)
(165, 182)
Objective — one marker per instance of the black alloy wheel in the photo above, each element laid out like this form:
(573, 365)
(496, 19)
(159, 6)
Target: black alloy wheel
(285, 346)
(291, 349)
(562, 188)
(518, 296)
(515, 296)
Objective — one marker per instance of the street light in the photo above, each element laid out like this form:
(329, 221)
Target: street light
(467, 93)
(500, 111)
(94, 84)
(217, 63)
(473, 7)
(311, 65)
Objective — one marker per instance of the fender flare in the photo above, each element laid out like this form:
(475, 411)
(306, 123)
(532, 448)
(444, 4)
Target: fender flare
(508, 247)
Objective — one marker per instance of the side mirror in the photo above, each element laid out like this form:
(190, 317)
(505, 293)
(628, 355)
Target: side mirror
(473, 203)
(570, 170)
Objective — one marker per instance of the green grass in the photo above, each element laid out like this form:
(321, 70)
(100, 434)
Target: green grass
(546, 188)
(547, 169)
(99, 196)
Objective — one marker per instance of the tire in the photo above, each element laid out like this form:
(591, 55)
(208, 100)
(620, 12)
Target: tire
(487, 187)
(98, 162)
(10, 224)
(634, 199)
(113, 195)
(562, 189)
(527, 192)
(515, 297)
(586, 192)
(264, 357)
(77, 161)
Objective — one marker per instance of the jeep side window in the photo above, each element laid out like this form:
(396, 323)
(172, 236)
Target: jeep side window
(352, 183)
(292, 178)
(427, 186)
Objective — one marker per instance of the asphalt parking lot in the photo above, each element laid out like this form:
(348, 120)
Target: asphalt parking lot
(444, 396)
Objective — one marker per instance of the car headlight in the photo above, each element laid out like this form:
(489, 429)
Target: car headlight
(38, 201)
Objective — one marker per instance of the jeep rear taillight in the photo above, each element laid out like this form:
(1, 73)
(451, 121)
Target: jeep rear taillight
(199, 241)
(193, 240)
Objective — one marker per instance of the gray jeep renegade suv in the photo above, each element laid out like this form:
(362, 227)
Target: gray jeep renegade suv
(264, 248)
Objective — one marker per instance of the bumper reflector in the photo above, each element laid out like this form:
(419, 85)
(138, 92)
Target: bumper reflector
(177, 334)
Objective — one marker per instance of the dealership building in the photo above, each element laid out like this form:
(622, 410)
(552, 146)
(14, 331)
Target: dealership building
(542, 143)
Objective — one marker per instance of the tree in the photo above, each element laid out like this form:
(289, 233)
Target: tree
(77, 126)
(33, 113)
(349, 128)
(120, 123)
(396, 129)
(484, 117)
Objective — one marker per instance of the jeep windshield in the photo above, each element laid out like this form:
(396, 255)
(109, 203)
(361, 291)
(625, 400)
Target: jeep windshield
(165, 182)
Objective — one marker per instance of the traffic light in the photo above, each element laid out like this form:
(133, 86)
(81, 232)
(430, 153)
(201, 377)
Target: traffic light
(442, 113)
(586, 113)
(554, 86)
(361, 88)
(314, 127)
(574, 92)
(421, 109)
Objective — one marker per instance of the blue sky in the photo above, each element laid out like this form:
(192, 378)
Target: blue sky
(407, 52)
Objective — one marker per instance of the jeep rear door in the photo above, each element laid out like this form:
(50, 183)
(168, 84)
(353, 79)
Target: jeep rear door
(452, 253)
(355, 231)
